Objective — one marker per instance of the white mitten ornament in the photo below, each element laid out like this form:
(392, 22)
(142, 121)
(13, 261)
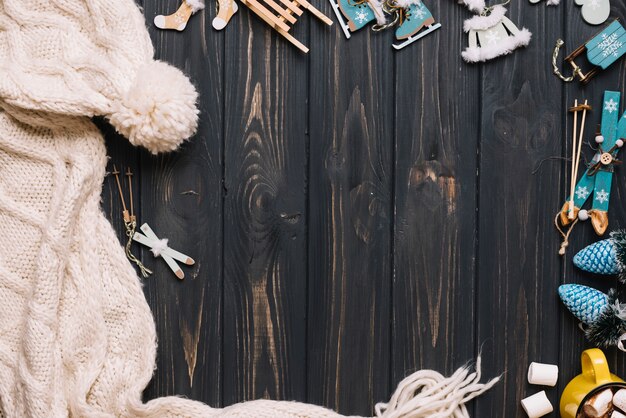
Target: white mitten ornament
(595, 12)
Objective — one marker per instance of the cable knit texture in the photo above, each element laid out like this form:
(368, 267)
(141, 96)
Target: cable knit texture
(83, 58)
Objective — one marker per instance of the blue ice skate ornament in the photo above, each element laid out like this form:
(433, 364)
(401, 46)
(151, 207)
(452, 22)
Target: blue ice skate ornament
(605, 257)
(491, 34)
(602, 316)
(411, 17)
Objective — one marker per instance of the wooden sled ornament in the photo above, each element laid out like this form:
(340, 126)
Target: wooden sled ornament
(602, 50)
(281, 16)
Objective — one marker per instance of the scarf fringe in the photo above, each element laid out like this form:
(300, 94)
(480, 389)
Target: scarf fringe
(428, 394)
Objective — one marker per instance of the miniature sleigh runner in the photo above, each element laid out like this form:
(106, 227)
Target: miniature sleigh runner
(601, 51)
(411, 17)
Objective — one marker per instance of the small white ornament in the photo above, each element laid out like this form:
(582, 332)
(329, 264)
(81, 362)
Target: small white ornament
(599, 139)
(595, 12)
(583, 215)
(619, 143)
(490, 33)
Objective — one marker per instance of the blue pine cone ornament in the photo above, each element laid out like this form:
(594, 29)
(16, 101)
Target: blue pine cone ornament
(603, 316)
(605, 257)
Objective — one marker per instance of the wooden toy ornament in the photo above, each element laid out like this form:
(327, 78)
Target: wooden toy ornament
(411, 18)
(178, 20)
(130, 220)
(226, 10)
(159, 248)
(594, 12)
(491, 34)
(601, 51)
(284, 15)
(597, 179)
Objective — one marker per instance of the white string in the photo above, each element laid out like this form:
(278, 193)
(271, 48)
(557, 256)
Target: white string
(428, 394)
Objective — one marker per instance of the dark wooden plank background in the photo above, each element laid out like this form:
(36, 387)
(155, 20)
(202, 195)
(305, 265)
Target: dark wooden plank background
(357, 213)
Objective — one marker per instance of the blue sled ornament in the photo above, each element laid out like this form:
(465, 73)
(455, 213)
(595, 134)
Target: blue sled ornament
(602, 50)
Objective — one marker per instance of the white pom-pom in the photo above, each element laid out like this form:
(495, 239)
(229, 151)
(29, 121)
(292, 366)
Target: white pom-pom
(599, 139)
(159, 110)
(583, 215)
(619, 143)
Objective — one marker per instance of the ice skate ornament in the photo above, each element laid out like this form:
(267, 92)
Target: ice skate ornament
(598, 177)
(358, 14)
(607, 257)
(412, 18)
(602, 51)
(602, 317)
(178, 20)
(159, 248)
(491, 34)
(594, 12)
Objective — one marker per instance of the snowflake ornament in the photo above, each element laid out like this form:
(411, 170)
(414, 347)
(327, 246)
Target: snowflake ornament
(582, 192)
(361, 16)
(610, 106)
(492, 37)
(602, 196)
(610, 45)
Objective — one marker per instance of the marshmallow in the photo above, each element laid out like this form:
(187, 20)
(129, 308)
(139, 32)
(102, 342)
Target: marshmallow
(617, 414)
(543, 374)
(537, 405)
(619, 399)
(598, 404)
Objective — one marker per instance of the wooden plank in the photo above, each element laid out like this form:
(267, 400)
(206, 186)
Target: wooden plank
(611, 79)
(265, 215)
(437, 134)
(181, 197)
(351, 129)
(518, 266)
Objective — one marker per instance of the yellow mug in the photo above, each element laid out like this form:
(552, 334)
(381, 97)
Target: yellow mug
(594, 378)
